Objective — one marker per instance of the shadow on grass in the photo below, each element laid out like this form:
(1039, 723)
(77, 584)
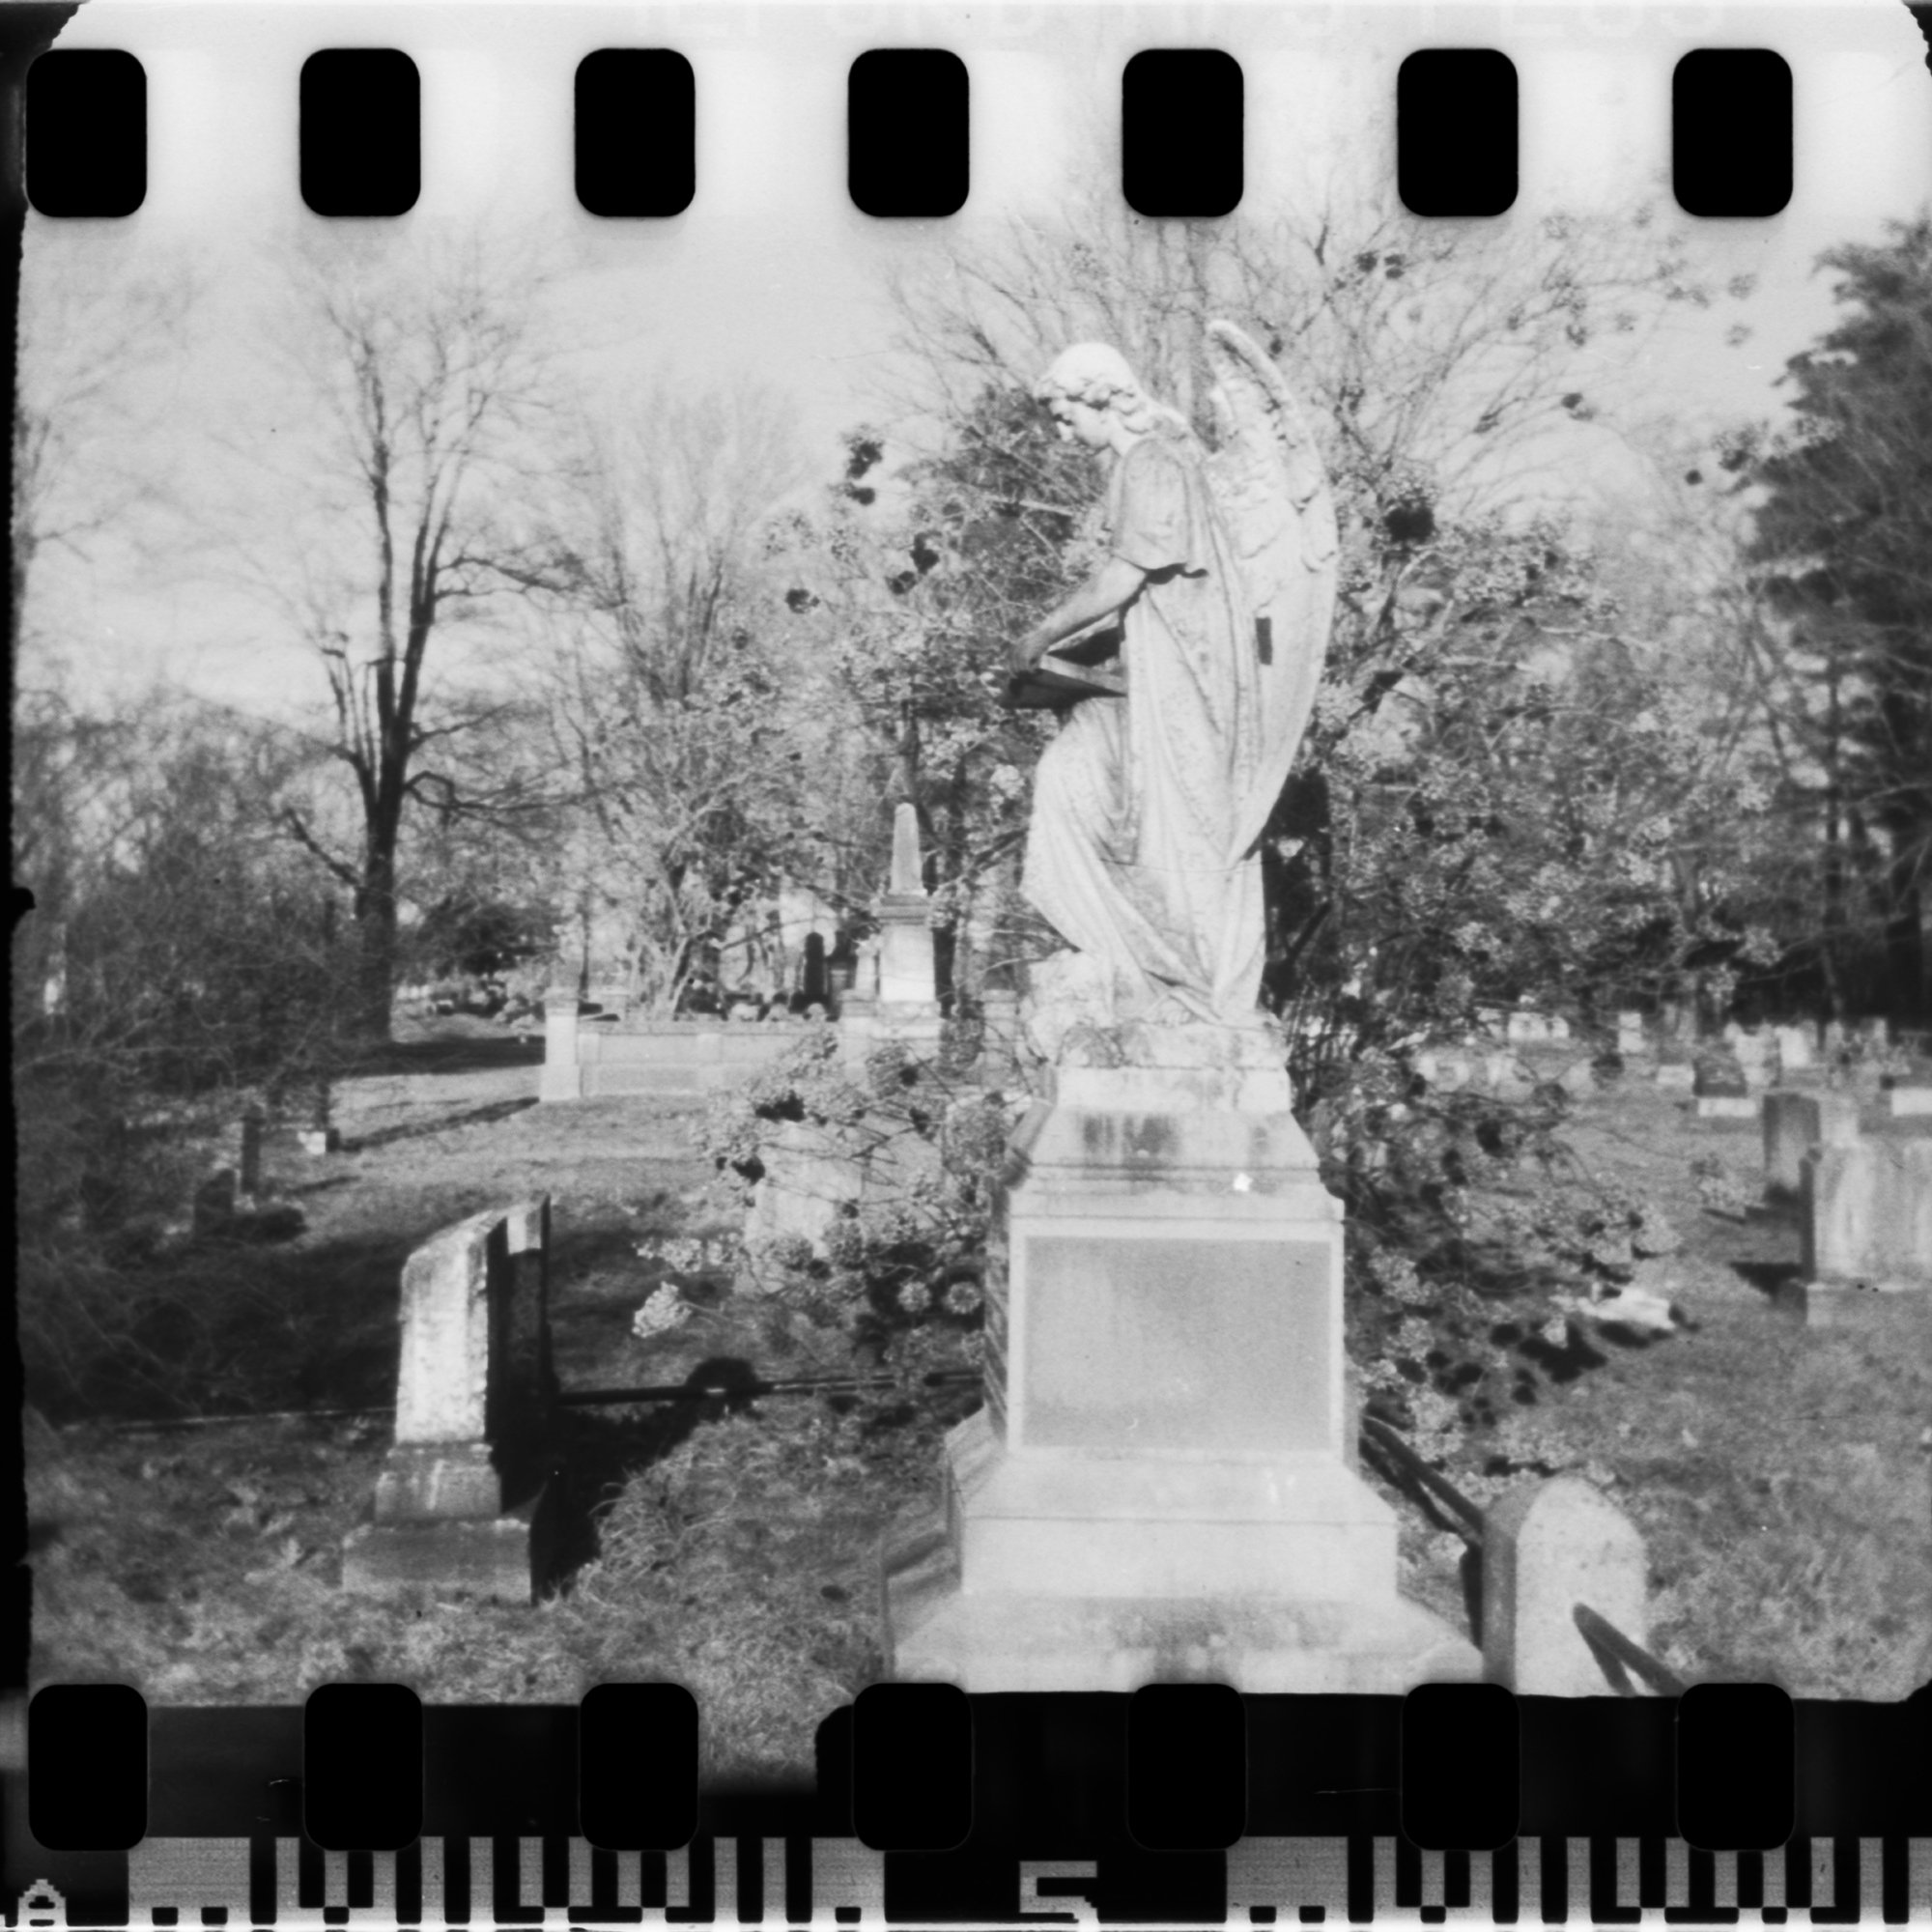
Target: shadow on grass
(475, 1116)
(1768, 1277)
(221, 1329)
(593, 1453)
(443, 1056)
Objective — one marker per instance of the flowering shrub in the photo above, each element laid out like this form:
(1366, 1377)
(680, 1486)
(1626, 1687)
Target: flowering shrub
(900, 1273)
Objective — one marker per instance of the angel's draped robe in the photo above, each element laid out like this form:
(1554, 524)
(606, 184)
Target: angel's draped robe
(1137, 801)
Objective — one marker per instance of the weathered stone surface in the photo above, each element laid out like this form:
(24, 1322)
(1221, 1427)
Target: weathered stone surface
(907, 878)
(486, 1559)
(444, 1376)
(1545, 1549)
(1676, 1076)
(1867, 1212)
(420, 1484)
(1797, 1048)
(1909, 1103)
(809, 1181)
(472, 1398)
(562, 1077)
(1900, 1308)
(1794, 1124)
(1262, 1645)
(1631, 1039)
(1719, 1079)
(319, 1139)
(1162, 1459)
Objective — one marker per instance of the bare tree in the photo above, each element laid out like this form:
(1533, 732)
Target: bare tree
(90, 329)
(675, 719)
(431, 381)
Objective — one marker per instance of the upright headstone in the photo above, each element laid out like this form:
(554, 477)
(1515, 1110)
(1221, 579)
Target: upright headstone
(1546, 1549)
(472, 1398)
(1794, 1124)
(1909, 1100)
(562, 1077)
(1722, 1091)
(1630, 1038)
(1753, 1050)
(1867, 1214)
(1796, 1050)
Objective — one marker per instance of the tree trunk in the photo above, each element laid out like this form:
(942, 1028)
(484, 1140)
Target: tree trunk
(376, 950)
(1904, 939)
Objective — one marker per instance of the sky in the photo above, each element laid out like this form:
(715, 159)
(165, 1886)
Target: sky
(773, 273)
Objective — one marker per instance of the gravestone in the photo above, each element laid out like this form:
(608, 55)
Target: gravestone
(458, 1492)
(1794, 1124)
(1722, 1091)
(1158, 1485)
(1547, 1548)
(1753, 1054)
(1797, 1050)
(907, 1010)
(1631, 1041)
(809, 1181)
(562, 1077)
(1909, 1100)
(1867, 1215)
(1676, 1076)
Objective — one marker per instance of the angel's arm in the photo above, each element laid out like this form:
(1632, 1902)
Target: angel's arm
(1110, 590)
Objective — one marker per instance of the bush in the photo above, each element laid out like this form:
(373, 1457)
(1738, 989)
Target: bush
(899, 1280)
(1470, 1226)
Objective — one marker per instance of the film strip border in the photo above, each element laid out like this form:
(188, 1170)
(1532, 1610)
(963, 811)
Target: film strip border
(1185, 1803)
(908, 131)
(799, 1880)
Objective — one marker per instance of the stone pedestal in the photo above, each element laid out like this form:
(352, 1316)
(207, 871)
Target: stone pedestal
(1157, 1485)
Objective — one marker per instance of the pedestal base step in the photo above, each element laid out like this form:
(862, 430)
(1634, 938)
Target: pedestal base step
(1841, 1304)
(1002, 1641)
(487, 1557)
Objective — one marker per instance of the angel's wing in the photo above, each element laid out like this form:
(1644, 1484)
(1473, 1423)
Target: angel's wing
(1272, 490)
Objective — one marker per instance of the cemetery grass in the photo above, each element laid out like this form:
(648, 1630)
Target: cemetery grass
(1781, 1476)
(738, 1540)
(1776, 1473)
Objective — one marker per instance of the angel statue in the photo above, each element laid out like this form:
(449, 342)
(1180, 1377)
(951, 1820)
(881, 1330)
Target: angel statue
(1185, 668)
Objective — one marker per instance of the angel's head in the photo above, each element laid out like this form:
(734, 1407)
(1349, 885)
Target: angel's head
(1093, 396)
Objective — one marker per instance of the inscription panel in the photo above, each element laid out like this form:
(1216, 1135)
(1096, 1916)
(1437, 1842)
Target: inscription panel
(1176, 1343)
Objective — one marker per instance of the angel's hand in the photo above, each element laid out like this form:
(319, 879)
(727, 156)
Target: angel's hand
(1027, 652)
